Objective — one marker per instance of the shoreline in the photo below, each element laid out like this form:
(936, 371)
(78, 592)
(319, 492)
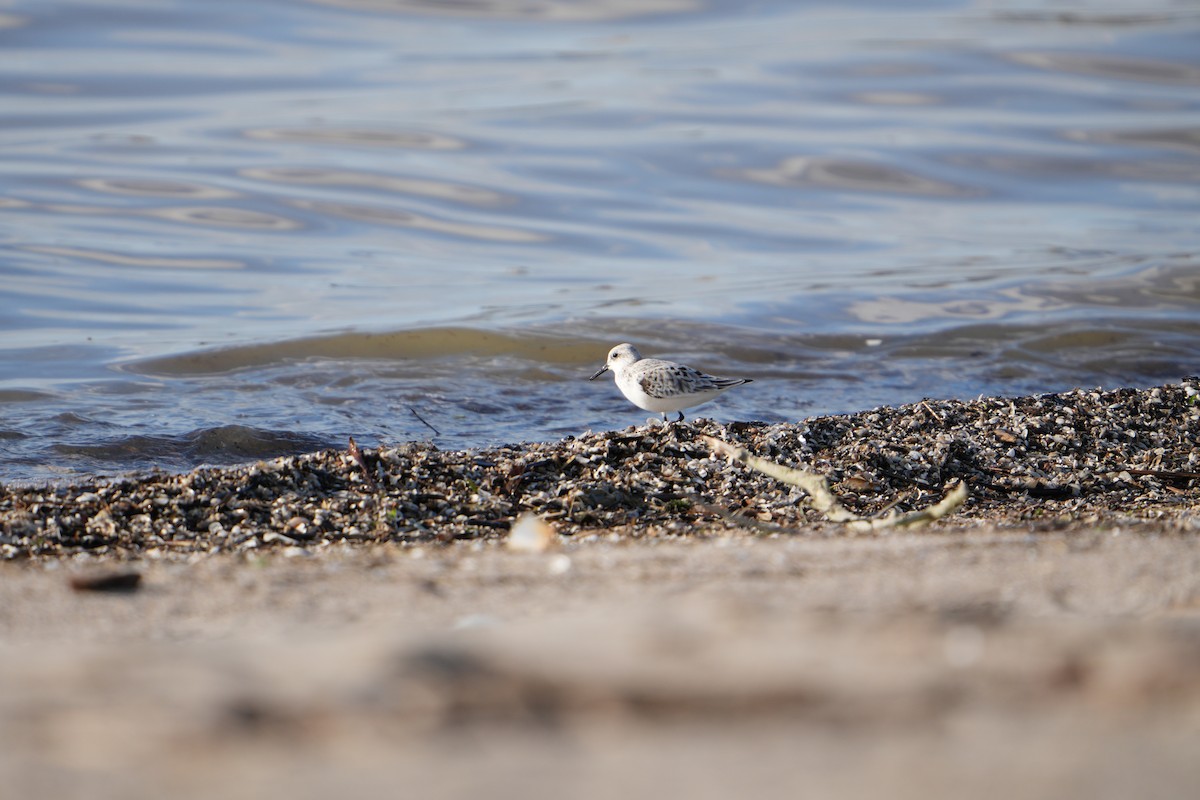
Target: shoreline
(1089, 457)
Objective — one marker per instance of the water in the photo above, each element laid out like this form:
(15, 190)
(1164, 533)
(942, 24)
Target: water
(231, 229)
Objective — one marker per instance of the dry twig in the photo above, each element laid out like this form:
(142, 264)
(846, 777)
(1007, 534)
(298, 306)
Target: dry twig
(417, 414)
(823, 500)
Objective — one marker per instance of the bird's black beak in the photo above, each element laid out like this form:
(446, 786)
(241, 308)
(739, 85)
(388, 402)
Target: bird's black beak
(599, 372)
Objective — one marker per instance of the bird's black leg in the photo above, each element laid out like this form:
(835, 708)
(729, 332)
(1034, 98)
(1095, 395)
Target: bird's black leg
(680, 417)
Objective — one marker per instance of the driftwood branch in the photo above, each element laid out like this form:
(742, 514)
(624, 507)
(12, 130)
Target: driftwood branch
(823, 500)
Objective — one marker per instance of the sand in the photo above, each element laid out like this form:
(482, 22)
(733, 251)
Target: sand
(952, 663)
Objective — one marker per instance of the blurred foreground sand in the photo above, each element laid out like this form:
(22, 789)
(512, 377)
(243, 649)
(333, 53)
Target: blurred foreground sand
(948, 664)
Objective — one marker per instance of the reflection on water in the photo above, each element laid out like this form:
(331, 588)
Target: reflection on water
(442, 190)
(1080, 168)
(853, 176)
(129, 260)
(1187, 139)
(1157, 293)
(1129, 69)
(378, 215)
(226, 217)
(155, 188)
(360, 137)
(230, 231)
(549, 10)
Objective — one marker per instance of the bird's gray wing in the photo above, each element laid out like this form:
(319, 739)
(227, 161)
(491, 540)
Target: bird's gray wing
(665, 379)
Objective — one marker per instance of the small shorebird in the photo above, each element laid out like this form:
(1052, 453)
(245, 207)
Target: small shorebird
(657, 385)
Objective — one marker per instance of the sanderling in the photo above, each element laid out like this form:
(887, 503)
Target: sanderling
(657, 385)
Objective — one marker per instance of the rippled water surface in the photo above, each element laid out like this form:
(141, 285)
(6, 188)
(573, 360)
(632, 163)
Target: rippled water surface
(232, 229)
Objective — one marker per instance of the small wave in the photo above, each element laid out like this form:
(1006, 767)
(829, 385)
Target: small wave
(400, 218)
(1187, 139)
(424, 343)
(394, 184)
(1113, 66)
(849, 175)
(224, 444)
(557, 10)
(129, 260)
(369, 137)
(22, 396)
(226, 217)
(145, 187)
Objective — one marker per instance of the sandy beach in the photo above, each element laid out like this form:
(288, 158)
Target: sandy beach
(1042, 642)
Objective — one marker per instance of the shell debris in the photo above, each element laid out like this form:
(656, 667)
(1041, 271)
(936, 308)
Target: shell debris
(1102, 456)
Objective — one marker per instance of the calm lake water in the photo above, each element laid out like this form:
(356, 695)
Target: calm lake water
(231, 229)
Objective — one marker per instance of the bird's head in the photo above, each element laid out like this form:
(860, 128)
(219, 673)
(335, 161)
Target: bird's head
(620, 356)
